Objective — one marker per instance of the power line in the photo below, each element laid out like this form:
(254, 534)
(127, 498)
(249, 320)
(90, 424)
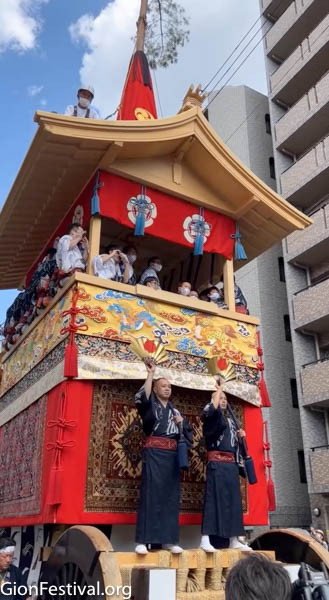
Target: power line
(237, 58)
(273, 91)
(242, 63)
(228, 58)
(234, 72)
(237, 46)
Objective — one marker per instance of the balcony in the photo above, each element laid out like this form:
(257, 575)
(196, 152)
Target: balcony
(311, 308)
(301, 17)
(303, 68)
(306, 121)
(319, 468)
(310, 246)
(108, 316)
(274, 8)
(306, 181)
(315, 383)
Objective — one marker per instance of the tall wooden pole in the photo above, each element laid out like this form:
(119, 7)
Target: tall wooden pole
(141, 26)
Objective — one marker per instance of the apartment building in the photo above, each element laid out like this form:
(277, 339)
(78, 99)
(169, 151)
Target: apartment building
(241, 117)
(296, 46)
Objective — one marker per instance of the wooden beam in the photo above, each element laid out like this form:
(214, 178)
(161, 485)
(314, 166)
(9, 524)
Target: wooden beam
(110, 155)
(246, 207)
(95, 226)
(228, 274)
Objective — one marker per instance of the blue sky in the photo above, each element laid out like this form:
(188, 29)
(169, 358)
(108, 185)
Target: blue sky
(48, 46)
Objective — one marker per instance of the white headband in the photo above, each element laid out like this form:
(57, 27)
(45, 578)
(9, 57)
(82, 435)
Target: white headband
(7, 550)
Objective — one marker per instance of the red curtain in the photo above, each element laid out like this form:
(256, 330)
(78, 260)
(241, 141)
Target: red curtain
(168, 218)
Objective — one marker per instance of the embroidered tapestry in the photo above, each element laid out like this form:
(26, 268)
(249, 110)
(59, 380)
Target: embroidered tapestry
(116, 443)
(117, 315)
(21, 447)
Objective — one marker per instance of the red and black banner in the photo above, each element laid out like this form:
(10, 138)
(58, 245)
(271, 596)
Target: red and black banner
(137, 102)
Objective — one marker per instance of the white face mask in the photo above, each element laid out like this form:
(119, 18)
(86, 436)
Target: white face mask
(84, 102)
(214, 296)
(132, 258)
(156, 267)
(184, 291)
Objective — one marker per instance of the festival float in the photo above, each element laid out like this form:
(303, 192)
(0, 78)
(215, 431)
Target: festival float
(70, 436)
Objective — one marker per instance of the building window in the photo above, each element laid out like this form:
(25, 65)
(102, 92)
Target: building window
(281, 269)
(302, 468)
(268, 123)
(287, 328)
(271, 165)
(294, 394)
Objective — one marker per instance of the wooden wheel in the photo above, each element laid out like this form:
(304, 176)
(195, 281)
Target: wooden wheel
(292, 547)
(82, 556)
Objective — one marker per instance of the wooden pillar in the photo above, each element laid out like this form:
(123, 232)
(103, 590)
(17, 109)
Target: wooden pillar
(94, 240)
(228, 275)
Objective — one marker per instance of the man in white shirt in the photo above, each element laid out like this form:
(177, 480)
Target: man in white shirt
(72, 249)
(83, 109)
(112, 265)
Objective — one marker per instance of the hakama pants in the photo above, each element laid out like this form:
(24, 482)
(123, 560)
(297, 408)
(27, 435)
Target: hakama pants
(158, 512)
(222, 513)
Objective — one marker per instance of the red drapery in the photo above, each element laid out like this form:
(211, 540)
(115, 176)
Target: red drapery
(168, 217)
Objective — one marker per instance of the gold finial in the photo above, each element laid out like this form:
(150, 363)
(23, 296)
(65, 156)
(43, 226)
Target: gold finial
(193, 98)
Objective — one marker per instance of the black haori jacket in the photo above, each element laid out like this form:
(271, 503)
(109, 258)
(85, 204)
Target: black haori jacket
(147, 409)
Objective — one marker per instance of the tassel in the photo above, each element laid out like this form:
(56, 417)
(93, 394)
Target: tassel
(265, 399)
(238, 247)
(268, 466)
(71, 358)
(139, 224)
(198, 245)
(271, 494)
(142, 207)
(95, 209)
(266, 403)
(200, 228)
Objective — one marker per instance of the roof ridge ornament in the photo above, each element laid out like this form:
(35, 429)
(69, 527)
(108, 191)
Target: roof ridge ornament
(192, 98)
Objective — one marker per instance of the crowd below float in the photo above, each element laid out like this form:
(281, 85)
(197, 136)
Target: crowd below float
(116, 264)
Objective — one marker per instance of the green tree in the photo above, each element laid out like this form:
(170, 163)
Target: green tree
(162, 28)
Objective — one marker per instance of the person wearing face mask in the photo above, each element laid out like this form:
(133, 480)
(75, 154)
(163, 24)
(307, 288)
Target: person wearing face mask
(131, 253)
(215, 295)
(112, 265)
(154, 267)
(83, 109)
(184, 288)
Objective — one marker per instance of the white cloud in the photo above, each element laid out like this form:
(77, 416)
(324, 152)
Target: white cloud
(109, 47)
(34, 90)
(19, 24)
(215, 29)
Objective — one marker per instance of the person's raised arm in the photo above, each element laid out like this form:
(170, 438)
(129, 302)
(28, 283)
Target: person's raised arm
(216, 395)
(76, 237)
(125, 262)
(150, 367)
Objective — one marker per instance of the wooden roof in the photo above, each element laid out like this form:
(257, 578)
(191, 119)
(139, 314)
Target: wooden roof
(181, 155)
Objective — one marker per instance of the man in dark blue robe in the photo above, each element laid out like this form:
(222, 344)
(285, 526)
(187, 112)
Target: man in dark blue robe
(158, 513)
(222, 513)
